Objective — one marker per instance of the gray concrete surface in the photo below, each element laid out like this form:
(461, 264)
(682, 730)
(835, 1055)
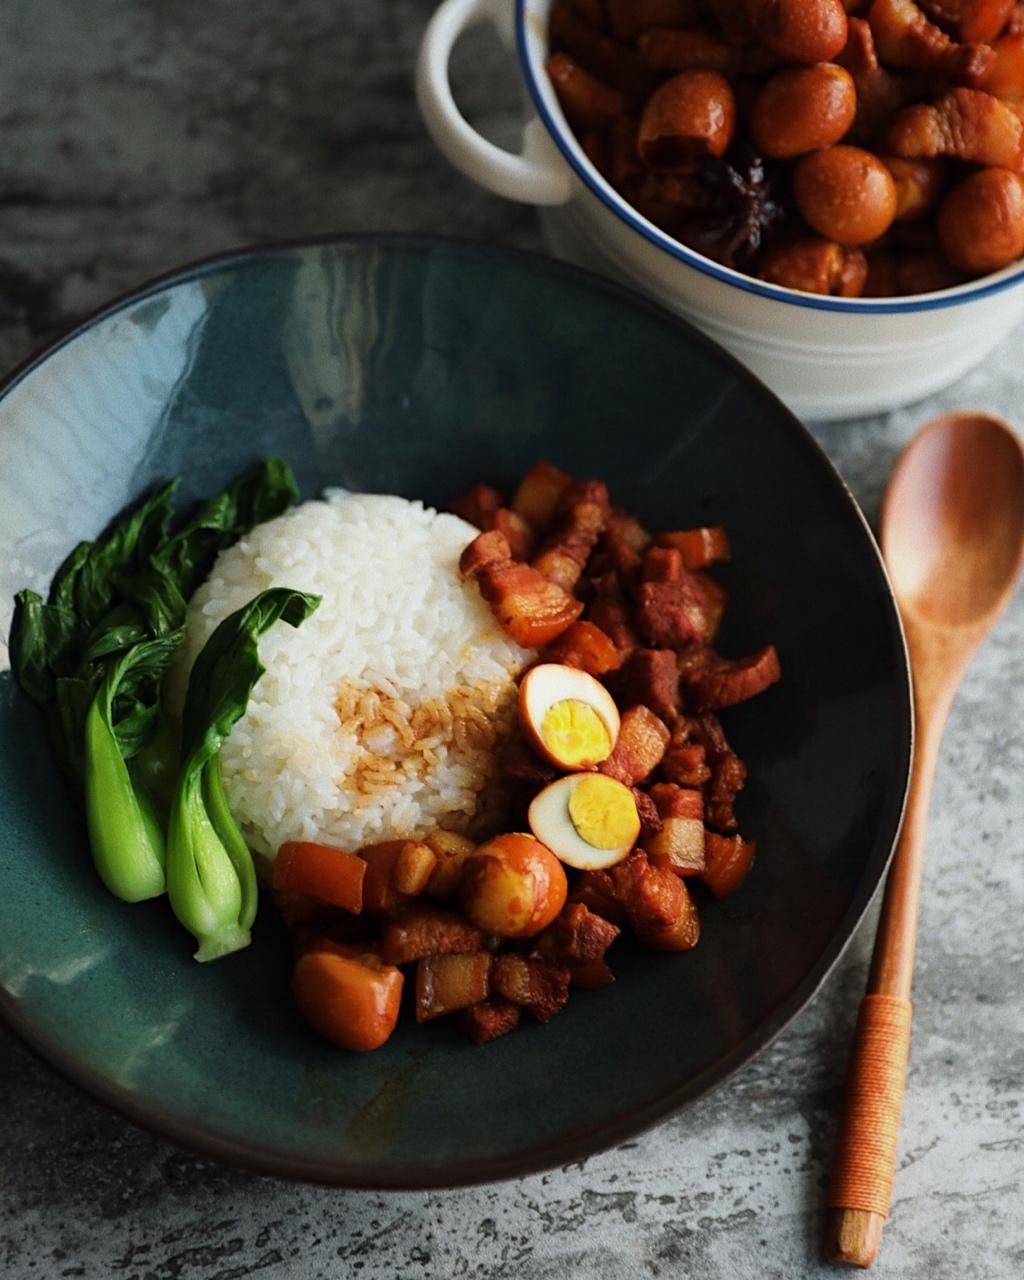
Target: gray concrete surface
(136, 134)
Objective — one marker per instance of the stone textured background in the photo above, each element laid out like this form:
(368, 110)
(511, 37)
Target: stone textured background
(138, 134)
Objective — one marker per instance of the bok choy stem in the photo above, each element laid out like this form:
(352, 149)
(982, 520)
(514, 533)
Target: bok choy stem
(125, 834)
(202, 883)
(211, 881)
(232, 839)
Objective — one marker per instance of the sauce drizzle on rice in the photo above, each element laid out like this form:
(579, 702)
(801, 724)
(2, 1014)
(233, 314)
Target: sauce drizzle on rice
(396, 740)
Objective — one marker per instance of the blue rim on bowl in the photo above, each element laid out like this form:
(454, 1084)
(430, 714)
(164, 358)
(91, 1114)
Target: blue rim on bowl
(562, 136)
(581, 1141)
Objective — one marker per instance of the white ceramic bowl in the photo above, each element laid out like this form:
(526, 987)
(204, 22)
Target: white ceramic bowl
(826, 357)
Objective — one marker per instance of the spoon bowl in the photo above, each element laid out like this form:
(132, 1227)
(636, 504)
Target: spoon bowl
(953, 520)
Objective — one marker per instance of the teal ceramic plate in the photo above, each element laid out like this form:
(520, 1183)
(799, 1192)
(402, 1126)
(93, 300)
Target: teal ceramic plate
(418, 367)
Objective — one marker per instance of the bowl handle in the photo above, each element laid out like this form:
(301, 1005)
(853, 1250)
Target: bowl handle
(539, 175)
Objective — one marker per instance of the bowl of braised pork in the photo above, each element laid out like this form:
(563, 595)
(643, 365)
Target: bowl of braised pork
(572, 751)
(834, 192)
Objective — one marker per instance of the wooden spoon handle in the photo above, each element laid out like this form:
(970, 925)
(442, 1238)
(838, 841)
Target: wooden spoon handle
(865, 1158)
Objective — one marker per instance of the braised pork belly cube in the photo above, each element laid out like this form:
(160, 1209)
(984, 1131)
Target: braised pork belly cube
(579, 521)
(490, 1019)
(679, 845)
(477, 505)
(594, 889)
(537, 496)
(577, 936)
(660, 910)
(712, 682)
(529, 608)
(450, 851)
(447, 983)
(650, 818)
(625, 541)
(639, 748)
(428, 931)
(651, 677)
(726, 772)
(534, 985)
(674, 613)
(610, 610)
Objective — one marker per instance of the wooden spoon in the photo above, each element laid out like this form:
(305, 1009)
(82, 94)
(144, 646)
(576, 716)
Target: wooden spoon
(953, 541)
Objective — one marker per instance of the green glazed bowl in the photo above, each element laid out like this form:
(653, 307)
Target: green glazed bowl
(418, 367)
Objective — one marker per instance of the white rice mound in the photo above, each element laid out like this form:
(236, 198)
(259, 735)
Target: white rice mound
(381, 716)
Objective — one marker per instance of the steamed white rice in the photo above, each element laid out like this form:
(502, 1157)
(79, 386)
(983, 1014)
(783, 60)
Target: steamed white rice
(380, 716)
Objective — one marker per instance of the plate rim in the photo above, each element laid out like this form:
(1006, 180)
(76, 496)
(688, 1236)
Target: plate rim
(537, 1158)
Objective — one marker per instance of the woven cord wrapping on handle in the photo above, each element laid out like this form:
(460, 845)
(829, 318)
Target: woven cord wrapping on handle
(865, 1158)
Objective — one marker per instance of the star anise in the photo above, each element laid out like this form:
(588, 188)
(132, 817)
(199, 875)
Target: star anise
(742, 212)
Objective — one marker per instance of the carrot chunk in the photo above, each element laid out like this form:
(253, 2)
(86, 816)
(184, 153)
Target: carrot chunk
(729, 859)
(322, 872)
(698, 547)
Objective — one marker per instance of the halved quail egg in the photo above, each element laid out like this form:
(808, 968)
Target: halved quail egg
(568, 716)
(588, 820)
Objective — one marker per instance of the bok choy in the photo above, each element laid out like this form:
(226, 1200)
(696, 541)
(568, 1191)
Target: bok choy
(211, 880)
(93, 654)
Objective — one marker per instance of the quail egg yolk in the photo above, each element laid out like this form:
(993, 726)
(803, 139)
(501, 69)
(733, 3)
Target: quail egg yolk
(575, 734)
(602, 812)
